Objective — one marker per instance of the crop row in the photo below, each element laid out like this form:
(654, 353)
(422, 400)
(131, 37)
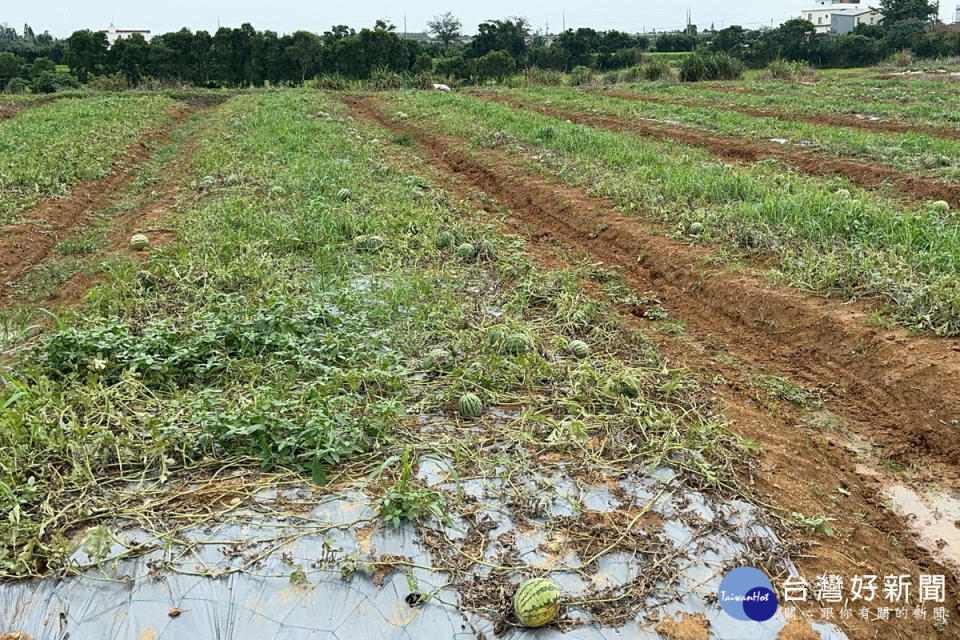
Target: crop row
(824, 235)
(914, 152)
(47, 149)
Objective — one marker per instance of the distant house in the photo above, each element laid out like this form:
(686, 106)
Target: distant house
(840, 16)
(113, 34)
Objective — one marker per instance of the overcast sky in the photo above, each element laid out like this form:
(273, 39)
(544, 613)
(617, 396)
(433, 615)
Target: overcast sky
(62, 17)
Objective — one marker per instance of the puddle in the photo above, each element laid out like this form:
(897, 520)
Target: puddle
(935, 519)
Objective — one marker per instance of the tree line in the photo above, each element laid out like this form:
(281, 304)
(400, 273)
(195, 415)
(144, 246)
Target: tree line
(246, 57)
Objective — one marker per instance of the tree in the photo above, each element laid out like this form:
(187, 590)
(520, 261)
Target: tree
(496, 65)
(500, 35)
(305, 50)
(86, 53)
(445, 28)
(40, 65)
(130, 56)
(897, 10)
(10, 66)
(732, 40)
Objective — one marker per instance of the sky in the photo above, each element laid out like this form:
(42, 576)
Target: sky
(62, 17)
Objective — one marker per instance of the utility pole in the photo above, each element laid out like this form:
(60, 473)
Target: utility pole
(404, 25)
(563, 18)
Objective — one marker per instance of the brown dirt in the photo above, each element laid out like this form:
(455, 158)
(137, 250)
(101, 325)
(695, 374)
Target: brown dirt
(30, 242)
(865, 174)
(686, 628)
(9, 110)
(836, 120)
(887, 386)
(797, 630)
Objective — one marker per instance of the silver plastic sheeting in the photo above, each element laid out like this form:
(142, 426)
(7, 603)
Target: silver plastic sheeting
(303, 576)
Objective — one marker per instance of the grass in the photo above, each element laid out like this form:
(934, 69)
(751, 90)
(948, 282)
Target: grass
(937, 109)
(938, 157)
(819, 239)
(288, 329)
(47, 149)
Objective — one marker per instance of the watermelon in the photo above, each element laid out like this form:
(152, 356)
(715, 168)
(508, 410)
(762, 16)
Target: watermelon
(438, 359)
(466, 251)
(206, 183)
(940, 206)
(233, 179)
(470, 405)
(579, 348)
(444, 239)
(517, 344)
(842, 193)
(581, 317)
(537, 602)
(343, 194)
(139, 242)
(369, 243)
(486, 249)
(695, 229)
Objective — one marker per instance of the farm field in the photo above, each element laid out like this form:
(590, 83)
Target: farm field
(402, 350)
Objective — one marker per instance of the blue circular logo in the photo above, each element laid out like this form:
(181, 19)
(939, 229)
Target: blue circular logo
(746, 594)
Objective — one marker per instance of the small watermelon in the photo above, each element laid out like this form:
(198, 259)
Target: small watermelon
(517, 344)
(581, 317)
(466, 251)
(486, 249)
(470, 405)
(233, 179)
(842, 193)
(940, 206)
(579, 348)
(695, 229)
(369, 243)
(444, 239)
(206, 183)
(139, 242)
(537, 602)
(343, 194)
(438, 359)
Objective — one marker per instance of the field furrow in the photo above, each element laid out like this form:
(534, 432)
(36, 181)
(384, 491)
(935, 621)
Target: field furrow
(820, 119)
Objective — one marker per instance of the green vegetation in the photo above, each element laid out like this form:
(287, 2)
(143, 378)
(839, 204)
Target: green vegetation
(47, 149)
(934, 155)
(275, 333)
(861, 246)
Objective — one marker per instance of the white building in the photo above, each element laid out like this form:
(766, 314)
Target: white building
(956, 18)
(114, 34)
(840, 16)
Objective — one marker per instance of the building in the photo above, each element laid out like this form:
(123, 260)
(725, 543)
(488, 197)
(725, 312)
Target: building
(113, 34)
(847, 20)
(840, 16)
(956, 18)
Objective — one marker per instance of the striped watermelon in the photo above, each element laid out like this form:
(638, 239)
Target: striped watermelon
(537, 602)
